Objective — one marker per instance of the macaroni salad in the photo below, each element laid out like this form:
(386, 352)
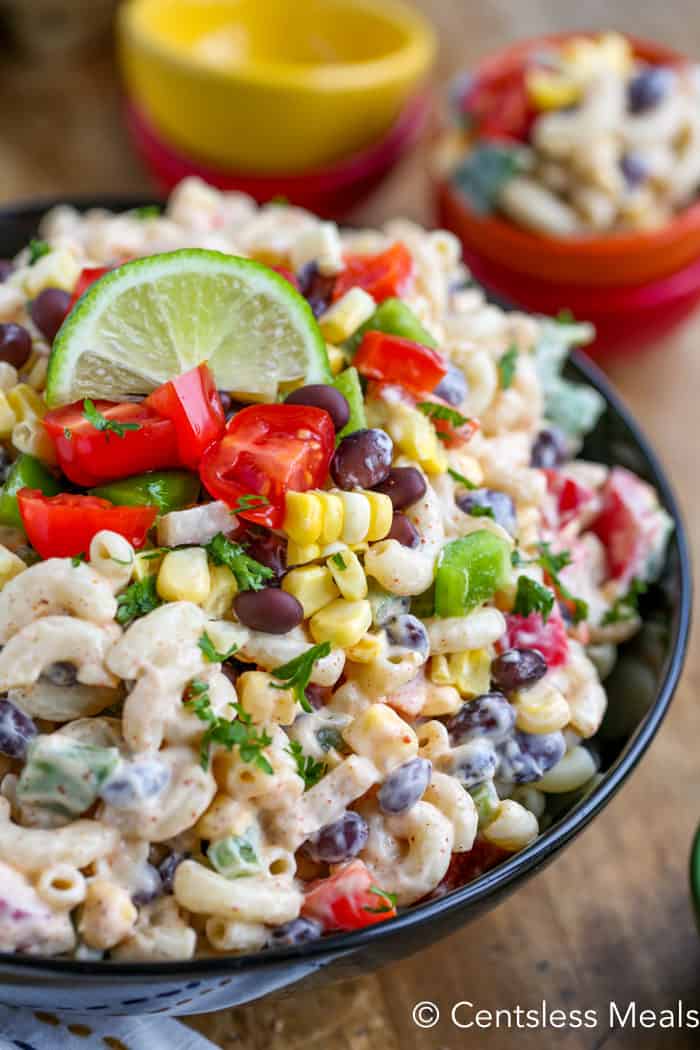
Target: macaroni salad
(578, 138)
(280, 666)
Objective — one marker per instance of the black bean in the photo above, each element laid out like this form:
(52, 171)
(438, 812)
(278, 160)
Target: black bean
(500, 505)
(322, 395)
(5, 464)
(16, 730)
(362, 459)
(526, 757)
(168, 867)
(267, 548)
(403, 531)
(453, 387)
(6, 268)
(135, 782)
(150, 886)
(404, 786)
(408, 632)
(49, 311)
(403, 485)
(649, 88)
(317, 695)
(61, 673)
(488, 715)
(270, 610)
(15, 344)
(549, 449)
(518, 669)
(316, 288)
(473, 763)
(634, 169)
(297, 931)
(340, 840)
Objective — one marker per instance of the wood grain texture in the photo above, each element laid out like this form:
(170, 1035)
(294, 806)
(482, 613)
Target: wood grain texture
(611, 917)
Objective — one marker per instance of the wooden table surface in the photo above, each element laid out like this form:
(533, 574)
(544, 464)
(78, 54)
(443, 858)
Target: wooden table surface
(611, 917)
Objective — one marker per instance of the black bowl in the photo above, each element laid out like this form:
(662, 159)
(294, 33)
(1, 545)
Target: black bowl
(634, 717)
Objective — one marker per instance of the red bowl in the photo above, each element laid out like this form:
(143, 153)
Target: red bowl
(329, 192)
(627, 318)
(629, 258)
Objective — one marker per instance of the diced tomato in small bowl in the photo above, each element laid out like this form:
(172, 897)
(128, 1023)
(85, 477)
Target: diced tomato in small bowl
(63, 526)
(631, 525)
(347, 900)
(103, 441)
(532, 632)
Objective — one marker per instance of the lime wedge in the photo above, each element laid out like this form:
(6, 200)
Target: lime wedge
(159, 316)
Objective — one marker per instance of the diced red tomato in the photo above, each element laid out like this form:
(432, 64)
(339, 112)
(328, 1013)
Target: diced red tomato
(392, 359)
(347, 900)
(88, 276)
(288, 276)
(62, 526)
(571, 498)
(383, 276)
(268, 450)
(630, 524)
(532, 632)
(192, 402)
(465, 867)
(453, 435)
(499, 106)
(88, 456)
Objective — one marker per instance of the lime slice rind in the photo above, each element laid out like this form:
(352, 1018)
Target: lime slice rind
(161, 315)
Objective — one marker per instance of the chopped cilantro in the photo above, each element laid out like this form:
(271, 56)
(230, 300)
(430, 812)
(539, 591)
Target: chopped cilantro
(625, 607)
(460, 478)
(478, 511)
(100, 421)
(435, 411)
(553, 564)
(388, 901)
(148, 211)
(250, 574)
(337, 560)
(531, 597)
(211, 654)
(37, 249)
(296, 674)
(507, 367)
(137, 600)
(68, 433)
(238, 732)
(309, 770)
(77, 559)
(249, 502)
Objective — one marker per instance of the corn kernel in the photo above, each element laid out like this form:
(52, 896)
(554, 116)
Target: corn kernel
(36, 375)
(57, 269)
(222, 590)
(381, 515)
(312, 586)
(184, 576)
(441, 700)
(8, 376)
(356, 517)
(302, 553)
(7, 417)
(26, 402)
(415, 435)
(147, 563)
(303, 517)
(368, 649)
(348, 574)
(548, 90)
(440, 670)
(341, 623)
(336, 358)
(10, 566)
(541, 709)
(333, 512)
(471, 672)
(382, 736)
(346, 315)
(263, 701)
(513, 828)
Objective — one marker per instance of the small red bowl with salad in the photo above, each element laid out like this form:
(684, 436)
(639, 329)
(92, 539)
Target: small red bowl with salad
(571, 173)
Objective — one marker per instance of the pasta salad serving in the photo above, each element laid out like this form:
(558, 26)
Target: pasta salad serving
(305, 598)
(578, 137)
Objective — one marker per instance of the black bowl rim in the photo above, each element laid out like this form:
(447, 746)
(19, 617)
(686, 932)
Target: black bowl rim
(493, 882)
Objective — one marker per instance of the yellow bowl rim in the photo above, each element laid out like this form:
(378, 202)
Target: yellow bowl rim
(417, 54)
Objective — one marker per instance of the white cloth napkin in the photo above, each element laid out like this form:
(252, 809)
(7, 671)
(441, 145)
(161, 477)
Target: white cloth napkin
(24, 1029)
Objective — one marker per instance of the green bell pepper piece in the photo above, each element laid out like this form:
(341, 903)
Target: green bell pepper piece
(348, 384)
(167, 490)
(470, 571)
(25, 472)
(235, 856)
(64, 775)
(395, 318)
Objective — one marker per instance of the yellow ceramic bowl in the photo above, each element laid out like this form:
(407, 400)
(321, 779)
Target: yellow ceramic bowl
(270, 86)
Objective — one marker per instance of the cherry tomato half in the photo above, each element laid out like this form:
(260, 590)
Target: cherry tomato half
(347, 900)
(268, 450)
(89, 456)
(383, 276)
(193, 404)
(393, 359)
(62, 526)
